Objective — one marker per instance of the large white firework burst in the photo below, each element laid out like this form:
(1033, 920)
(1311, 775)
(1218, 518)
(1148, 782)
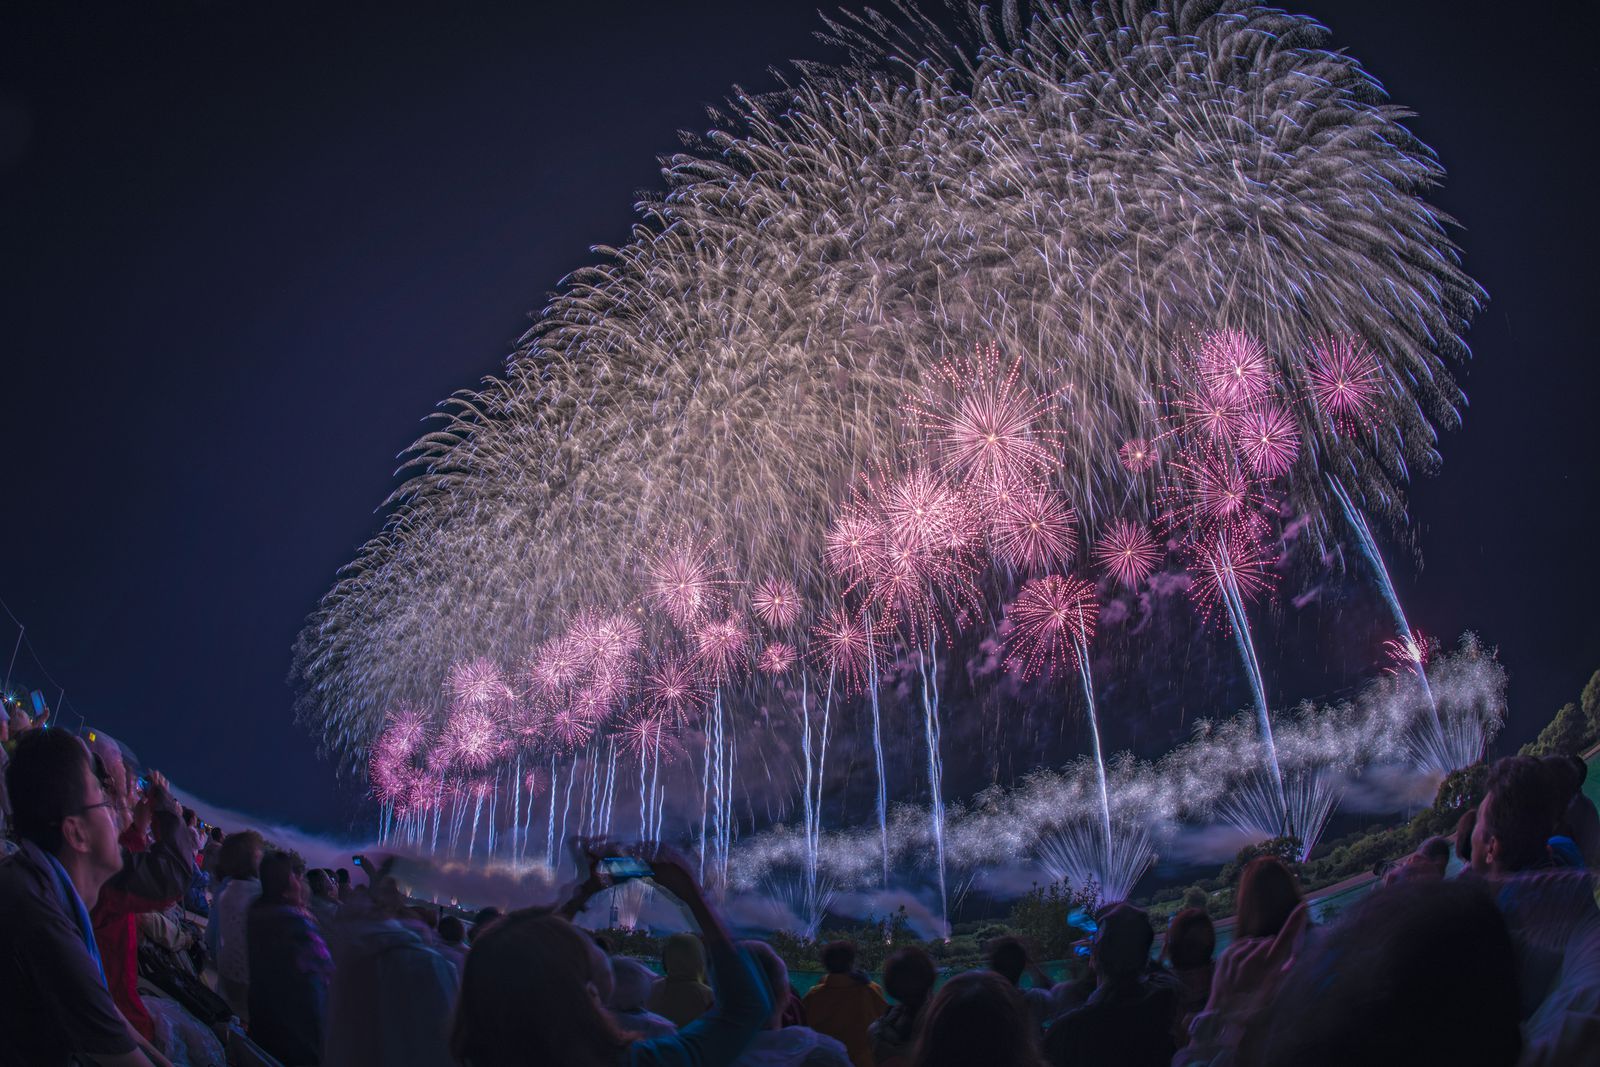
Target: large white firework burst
(1083, 184)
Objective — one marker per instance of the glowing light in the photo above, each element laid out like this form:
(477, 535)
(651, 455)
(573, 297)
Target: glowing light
(1346, 381)
(845, 645)
(1137, 455)
(1051, 619)
(1269, 439)
(777, 658)
(1128, 552)
(1034, 530)
(981, 423)
(776, 602)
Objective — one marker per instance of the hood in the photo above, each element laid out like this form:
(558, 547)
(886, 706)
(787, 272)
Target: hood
(684, 957)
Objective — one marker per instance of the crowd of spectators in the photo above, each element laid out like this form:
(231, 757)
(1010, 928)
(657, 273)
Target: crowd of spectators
(109, 884)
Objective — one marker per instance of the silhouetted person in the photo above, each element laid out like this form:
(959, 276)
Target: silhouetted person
(1268, 892)
(1127, 1021)
(681, 995)
(908, 976)
(290, 967)
(845, 1003)
(977, 1020)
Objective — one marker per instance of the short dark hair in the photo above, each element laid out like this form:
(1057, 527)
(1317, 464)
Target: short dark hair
(909, 975)
(45, 783)
(1122, 943)
(189, 817)
(481, 922)
(216, 834)
(237, 858)
(839, 957)
(452, 931)
(1521, 817)
(1191, 939)
(278, 871)
(342, 875)
(1008, 958)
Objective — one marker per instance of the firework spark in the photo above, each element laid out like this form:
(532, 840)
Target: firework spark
(846, 646)
(983, 425)
(776, 602)
(1137, 455)
(1034, 532)
(777, 658)
(1128, 552)
(1346, 381)
(1051, 619)
(1269, 439)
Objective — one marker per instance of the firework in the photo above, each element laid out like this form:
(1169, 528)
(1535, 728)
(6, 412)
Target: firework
(1034, 532)
(720, 647)
(1050, 620)
(1269, 439)
(846, 645)
(476, 681)
(683, 583)
(851, 542)
(776, 602)
(473, 738)
(1234, 365)
(674, 692)
(982, 424)
(1128, 552)
(777, 658)
(1137, 455)
(1209, 492)
(1229, 566)
(1346, 381)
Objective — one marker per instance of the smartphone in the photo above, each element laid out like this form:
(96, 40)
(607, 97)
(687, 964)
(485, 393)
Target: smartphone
(1081, 948)
(357, 860)
(621, 868)
(144, 783)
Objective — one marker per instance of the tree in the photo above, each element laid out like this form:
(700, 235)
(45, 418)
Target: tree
(1564, 735)
(1590, 703)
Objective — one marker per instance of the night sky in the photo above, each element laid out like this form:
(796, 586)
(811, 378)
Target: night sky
(246, 248)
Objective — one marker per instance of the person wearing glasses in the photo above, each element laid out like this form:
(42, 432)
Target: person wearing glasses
(54, 1001)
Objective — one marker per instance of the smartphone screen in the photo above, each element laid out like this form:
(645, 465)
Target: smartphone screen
(620, 868)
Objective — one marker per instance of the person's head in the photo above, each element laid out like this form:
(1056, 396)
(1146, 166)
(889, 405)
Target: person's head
(1191, 940)
(423, 914)
(342, 876)
(1421, 964)
(1563, 779)
(452, 931)
(1435, 852)
(1514, 817)
(241, 855)
(283, 879)
(1464, 827)
(631, 982)
(1268, 892)
(1008, 958)
(481, 922)
(909, 975)
(320, 884)
(216, 835)
(189, 817)
(60, 804)
(530, 995)
(977, 1018)
(683, 957)
(775, 973)
(1122, 943)
(839, 957)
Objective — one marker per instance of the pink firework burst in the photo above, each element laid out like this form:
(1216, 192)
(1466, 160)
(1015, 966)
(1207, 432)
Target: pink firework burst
(1409, 654)
(851, 542)
(474, 737)
(776, 602)
(1052, 618)
(847, 646)
(1346, 382)
(1269, 439)
(674, 692)
(1034, 531)
(982, 424)
(1128, 552)
(1235, 365)
(720, 647)
(920, 509)
(643, 737)
(683, 582)
(570, 727)
(1137, 455)
(1208, 413)
(604, 640)
(1209, 492)
(551, 667)
(1230, 566)
(777, 658)
(476, 681)
(406, 731)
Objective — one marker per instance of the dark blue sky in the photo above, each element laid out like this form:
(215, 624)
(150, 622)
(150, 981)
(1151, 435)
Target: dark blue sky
(244, 249)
